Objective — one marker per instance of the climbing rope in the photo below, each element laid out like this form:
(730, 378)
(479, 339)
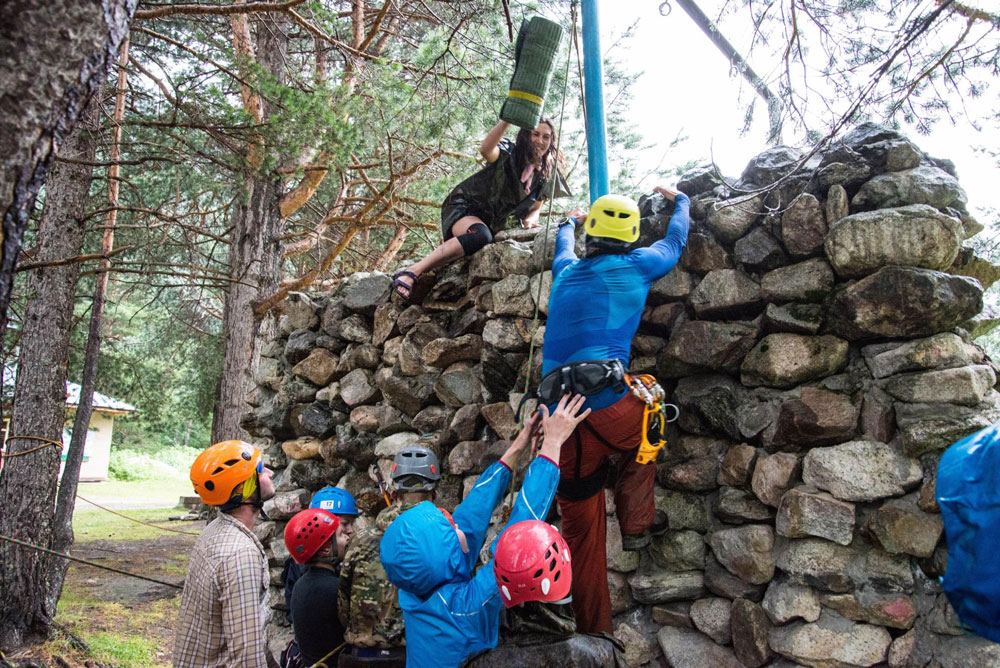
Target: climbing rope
(132, 519)
(90, 563)
(548, 221)
(48, 442)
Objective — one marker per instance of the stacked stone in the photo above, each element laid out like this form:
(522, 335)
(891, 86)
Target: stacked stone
(817, 338)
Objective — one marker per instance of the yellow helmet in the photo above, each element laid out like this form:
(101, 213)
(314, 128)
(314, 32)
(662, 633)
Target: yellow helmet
(614, 217)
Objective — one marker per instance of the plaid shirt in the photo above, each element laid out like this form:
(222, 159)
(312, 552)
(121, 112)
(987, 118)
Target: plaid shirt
(221, 623)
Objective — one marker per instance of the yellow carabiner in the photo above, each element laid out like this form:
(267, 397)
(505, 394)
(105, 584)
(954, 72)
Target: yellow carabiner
(647, 450)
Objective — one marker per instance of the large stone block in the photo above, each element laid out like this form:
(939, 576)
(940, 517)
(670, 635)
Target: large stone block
(916, 235)
(704, 254)
(815, 417)
(678, 551)
(737, 465)
(512, 296)
(932, 427)
(831, 641)
(750, 633)
(747, 551)
(805, 512)
(686, 648)
(861, 471)
(786, 360)
(938, 351)
(903, 302)
(967, 385)
(444, 352)
(319, 367)
(365, 292)
(711, 617)
(773, 476)
(759, 251)
(651, 584)
(901, 527)
(803, 226)
(699, 346)
(925, 184)
(726, 294)
(813, 562)
(738, 506)
(809, 281)
(785, 602)
(731, 219)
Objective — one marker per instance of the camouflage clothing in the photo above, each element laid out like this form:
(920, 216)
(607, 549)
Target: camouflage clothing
(366, 602)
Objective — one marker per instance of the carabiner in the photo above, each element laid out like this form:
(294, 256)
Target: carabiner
(670, 8)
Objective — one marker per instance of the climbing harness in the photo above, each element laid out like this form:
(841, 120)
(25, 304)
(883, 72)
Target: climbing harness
(90, 563)
(654, 416)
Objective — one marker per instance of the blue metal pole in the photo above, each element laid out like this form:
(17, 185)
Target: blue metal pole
(593, 77)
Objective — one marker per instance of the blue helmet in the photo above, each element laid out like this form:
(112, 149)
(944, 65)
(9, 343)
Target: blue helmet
(338, 501)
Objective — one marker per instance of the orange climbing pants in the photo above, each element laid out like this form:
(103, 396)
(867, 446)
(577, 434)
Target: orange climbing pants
(608, 439)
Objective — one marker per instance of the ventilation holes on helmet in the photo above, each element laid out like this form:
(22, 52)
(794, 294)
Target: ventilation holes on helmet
(218, 470)
(548, 553)
(209, 485)
(538, 573)
(504, 578)
(555, 578)
(633, 229)
(230, 462)
(609, 213)
(624, 214)
(552, 565)
(593, 222)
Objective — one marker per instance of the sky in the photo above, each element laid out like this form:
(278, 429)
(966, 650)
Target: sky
(686, 86)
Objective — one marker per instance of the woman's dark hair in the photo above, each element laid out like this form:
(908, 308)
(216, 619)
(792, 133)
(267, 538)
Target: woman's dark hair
(524, 150)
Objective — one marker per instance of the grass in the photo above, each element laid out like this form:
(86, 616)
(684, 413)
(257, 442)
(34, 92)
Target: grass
(122, 635)
(91, 525)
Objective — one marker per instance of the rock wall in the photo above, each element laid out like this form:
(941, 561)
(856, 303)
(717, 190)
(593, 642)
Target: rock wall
(818, 341)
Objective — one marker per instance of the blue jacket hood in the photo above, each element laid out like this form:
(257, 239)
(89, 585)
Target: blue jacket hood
(420, 551)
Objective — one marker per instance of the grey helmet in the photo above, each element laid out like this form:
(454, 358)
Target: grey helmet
(415, 469)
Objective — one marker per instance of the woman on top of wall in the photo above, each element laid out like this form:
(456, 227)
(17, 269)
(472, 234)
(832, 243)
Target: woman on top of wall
(518, 177)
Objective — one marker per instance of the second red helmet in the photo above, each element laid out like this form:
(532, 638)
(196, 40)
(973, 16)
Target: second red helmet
(308, 531)
(532, 563)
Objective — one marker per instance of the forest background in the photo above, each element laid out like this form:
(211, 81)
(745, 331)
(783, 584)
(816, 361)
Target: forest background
(244, 151)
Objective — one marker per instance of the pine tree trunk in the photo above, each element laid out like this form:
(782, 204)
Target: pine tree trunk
(55, 57)
(28, 482)
(62, 521)
(254, 259)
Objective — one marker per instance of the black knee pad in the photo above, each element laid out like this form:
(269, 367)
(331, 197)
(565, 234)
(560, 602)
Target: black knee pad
(477, 236)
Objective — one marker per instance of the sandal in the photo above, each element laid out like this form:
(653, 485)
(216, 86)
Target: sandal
(398, 285)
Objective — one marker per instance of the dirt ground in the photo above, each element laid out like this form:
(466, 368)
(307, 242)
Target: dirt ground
(124, 621)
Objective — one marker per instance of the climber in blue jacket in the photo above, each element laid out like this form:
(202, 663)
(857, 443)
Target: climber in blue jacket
(449, 611)
(595, 306)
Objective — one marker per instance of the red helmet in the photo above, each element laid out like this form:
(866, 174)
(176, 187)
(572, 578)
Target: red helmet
(531, 563)
(308, 531)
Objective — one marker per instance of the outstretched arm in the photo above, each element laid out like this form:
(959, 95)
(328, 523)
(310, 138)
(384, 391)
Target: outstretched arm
(566, 240)
(657, 260)
(488, 149)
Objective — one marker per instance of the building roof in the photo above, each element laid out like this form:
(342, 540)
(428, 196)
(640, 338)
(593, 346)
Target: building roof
(102, 402)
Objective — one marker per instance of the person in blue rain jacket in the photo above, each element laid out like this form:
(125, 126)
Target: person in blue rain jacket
(449, 611)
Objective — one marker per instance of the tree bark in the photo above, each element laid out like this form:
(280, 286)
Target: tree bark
(28, 482)
(254, 253)
(56, 56)
(62, 525)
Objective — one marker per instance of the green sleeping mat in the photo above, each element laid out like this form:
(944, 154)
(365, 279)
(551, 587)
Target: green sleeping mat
(535, 54)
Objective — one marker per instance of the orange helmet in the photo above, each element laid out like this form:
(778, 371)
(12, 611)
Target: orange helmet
(226, 472)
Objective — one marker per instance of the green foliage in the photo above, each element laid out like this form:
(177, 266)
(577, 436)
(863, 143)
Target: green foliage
(163, 463)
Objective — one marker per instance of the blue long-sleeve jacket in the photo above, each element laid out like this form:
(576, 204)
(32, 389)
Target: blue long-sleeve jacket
(596, 303)
(450, 612)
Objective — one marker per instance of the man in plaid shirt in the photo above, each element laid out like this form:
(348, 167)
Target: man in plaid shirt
(223, 608)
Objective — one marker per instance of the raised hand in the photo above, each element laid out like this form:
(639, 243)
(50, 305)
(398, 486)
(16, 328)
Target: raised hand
(560, 425)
